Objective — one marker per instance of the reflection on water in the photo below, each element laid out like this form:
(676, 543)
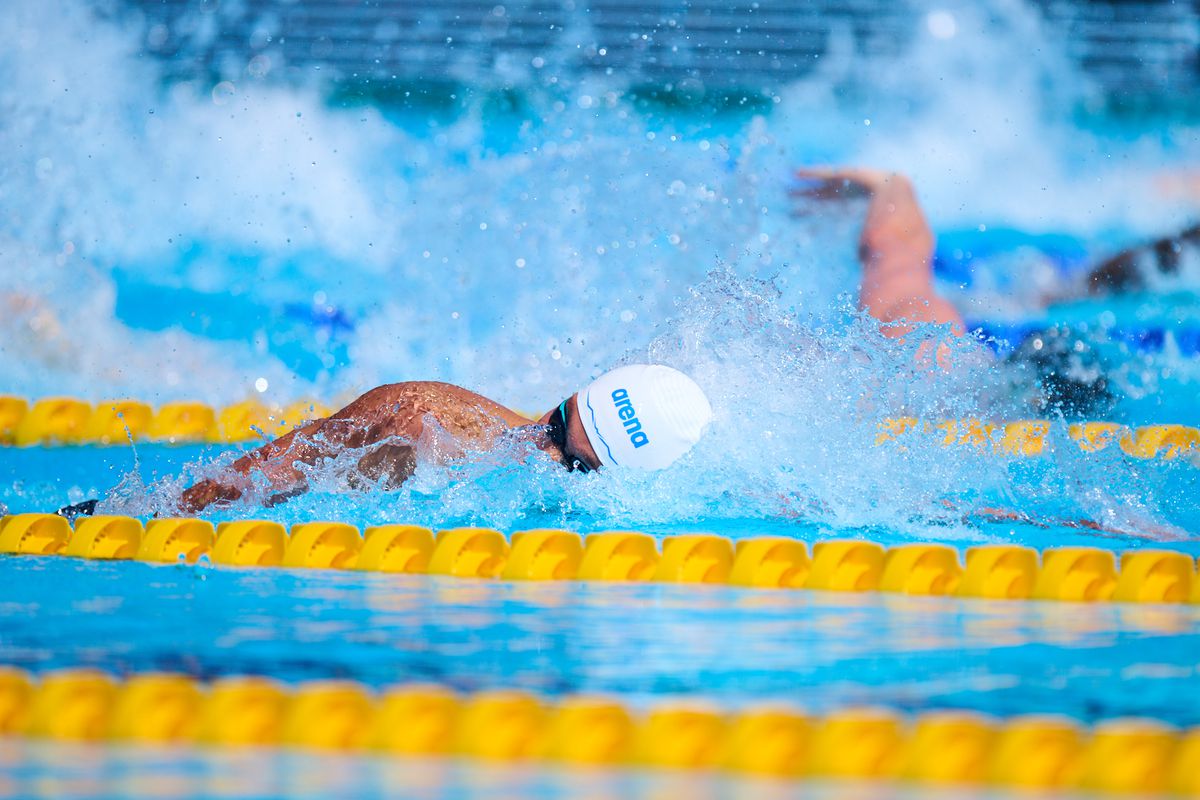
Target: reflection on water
(52, 770)
(647, 642)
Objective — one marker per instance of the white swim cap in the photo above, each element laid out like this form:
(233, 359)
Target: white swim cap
(644, 416)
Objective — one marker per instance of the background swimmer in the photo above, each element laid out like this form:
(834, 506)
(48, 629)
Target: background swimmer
(896, 250)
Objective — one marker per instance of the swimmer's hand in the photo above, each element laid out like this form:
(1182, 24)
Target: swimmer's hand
(206, 493)
(895, 249)
(843, 183)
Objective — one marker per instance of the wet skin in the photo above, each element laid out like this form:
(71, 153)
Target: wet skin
(391, 420)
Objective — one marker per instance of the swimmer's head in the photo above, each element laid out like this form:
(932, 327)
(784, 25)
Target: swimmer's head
(1069, 372)
(642, 416)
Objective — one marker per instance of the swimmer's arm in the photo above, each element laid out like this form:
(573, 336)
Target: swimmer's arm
(1146, 529)
(1131, 269)
(896, 251)
(376, 415)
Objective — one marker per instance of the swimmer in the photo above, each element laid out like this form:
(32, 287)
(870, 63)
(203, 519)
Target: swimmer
(896, 250)
(641, 416)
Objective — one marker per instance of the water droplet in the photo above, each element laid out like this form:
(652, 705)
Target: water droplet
(223, 92)
(941, 24)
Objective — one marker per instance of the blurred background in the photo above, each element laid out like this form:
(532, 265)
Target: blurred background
(1137, 55)
(217, 200)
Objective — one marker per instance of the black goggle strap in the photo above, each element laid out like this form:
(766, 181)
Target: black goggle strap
(571, 461)
(556, 427)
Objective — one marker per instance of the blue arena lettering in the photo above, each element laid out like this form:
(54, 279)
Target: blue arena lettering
(633, 426)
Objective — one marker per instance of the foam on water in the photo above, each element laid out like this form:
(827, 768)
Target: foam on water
(595, 235)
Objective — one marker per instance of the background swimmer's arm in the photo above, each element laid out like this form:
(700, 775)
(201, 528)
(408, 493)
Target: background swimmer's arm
(1143, 528)
(895, 248)
(396, 411)
(1134, 268)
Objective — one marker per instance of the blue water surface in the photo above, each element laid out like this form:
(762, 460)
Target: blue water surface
(645, 642)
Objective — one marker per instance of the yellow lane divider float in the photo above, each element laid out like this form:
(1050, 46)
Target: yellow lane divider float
(997, 571)
(64, 420)
(1031, 437)
(1135, 756)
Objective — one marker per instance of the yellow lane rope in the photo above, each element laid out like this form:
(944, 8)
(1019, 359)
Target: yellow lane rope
(1032, 437)
(996, 571)
(64, 420)
(1125, 756)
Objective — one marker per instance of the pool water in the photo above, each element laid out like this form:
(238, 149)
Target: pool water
(642, 642)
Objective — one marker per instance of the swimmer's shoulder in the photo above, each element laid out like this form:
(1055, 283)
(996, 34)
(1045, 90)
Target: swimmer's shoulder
(437, 396)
